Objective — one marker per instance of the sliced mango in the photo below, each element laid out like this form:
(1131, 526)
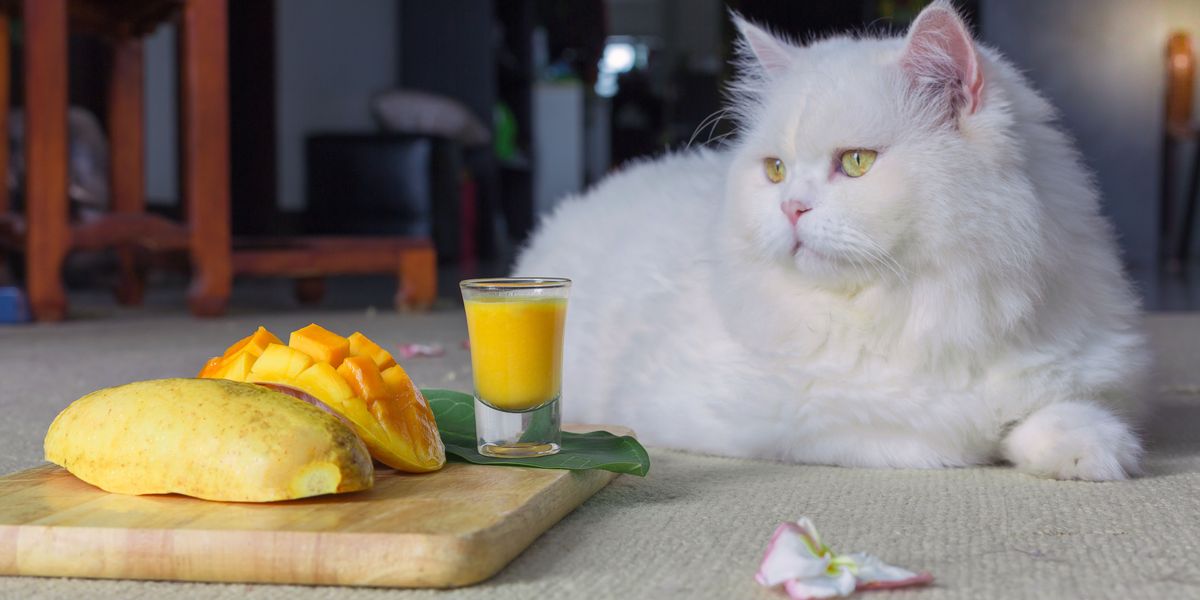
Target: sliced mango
(211, 367)
(323, 382)
(254, 343)
(363, 376)
(236, 368)
(360, 345)
(280, 362)
(321, 344)
(356, 378)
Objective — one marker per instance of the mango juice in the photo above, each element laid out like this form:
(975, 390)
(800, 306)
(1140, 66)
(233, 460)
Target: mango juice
(516, 350)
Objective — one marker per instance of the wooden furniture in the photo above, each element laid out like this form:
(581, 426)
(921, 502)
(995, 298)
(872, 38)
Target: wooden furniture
(45, 233)
(1179, 129)
(309, 259)
(453, 527)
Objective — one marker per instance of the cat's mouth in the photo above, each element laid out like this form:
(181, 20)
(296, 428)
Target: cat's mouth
(800, 249)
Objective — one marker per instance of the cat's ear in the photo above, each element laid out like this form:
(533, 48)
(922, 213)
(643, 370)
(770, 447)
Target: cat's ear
(761, 48)
(940, 56)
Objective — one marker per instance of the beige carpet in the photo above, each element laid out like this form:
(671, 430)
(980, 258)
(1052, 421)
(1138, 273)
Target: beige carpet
(696, 527)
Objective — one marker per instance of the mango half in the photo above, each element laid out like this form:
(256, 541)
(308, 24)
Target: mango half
(353, 376)
(211, 439)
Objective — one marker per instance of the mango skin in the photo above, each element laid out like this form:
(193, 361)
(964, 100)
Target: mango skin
(208, 438)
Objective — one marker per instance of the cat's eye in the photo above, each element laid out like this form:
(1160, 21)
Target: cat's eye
(774, 169)
(856, 163)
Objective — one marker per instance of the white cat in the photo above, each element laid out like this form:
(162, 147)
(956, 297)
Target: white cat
(899, 263)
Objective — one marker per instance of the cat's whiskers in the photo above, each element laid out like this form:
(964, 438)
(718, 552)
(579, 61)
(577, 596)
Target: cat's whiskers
(720, 137)
(711, 121)
(870, 249)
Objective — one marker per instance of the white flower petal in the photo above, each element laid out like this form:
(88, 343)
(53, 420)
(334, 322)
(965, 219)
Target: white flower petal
(871, 568)
(790, 556)
(823, 586)
(874, 574)
(797, 559)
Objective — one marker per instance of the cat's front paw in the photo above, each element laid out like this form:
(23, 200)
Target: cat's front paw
(1074, 440)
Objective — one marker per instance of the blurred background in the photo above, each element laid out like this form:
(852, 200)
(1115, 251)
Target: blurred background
(456, 124)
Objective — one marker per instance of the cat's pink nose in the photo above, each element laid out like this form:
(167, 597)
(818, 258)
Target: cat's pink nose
(793, 209)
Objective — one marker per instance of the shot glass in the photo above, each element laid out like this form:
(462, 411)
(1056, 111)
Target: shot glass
(515, 325)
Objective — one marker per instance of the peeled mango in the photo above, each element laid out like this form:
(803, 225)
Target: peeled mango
(354, 377)
(208, 438)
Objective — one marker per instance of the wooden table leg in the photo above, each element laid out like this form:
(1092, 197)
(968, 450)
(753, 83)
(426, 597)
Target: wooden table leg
(417, 279)
(1183, 253)
(5, 77)
(5, 90)
(310, 290)
(46, 205)
(205, 109)
(127, 155)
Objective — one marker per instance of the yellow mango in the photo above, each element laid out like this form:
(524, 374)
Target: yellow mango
(279, 362)
(237, 368)
(366, 387)
(321, 344)
(363, 376)
(254, 343)
(208, 438)
(323, 382)
(361, 345)
(211, 367)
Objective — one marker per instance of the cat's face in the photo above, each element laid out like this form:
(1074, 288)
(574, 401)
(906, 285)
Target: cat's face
(836, 173)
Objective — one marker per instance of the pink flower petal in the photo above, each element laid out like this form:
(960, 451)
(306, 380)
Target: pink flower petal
(874, 574)
(824, 586)
(922, 578)
(790, 555)
(407, 351)
(806, 568)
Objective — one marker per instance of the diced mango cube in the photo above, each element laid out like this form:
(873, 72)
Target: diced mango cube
(279, 363)
(401, 385)
(255, 343)
(236, 368)
(323, 382)
(210, 368)
(321, 344)
(361, 345)
(363, 376)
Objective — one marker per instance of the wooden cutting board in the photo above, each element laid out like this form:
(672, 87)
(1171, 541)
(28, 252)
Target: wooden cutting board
(454, 527)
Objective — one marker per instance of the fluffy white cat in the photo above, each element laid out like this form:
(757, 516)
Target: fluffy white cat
(900, 262)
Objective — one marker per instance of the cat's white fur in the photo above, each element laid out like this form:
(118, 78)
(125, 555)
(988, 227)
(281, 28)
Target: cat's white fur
(960, 303)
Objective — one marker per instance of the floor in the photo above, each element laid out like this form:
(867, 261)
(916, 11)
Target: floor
(696, 526)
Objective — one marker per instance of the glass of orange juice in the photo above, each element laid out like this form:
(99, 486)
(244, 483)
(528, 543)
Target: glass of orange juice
(515, 326)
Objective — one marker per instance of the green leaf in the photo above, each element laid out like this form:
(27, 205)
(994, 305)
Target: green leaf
(455, 414)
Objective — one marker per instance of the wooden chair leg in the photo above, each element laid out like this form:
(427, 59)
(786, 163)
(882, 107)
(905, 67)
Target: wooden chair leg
(5, 91)
(310, 290)
(205, 110)
(5, 76)
(1166, 195)
(47, 209)
(1188, 223)
(417, 286)
(127, 156)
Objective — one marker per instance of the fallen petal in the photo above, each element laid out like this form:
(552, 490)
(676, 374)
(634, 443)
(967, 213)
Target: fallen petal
(874, 574)
(918, 579)
(407, 351)
(790, 555)
(823, 586)
(797, 559)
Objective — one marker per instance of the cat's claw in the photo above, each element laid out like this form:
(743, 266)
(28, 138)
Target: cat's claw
(1074, 440)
